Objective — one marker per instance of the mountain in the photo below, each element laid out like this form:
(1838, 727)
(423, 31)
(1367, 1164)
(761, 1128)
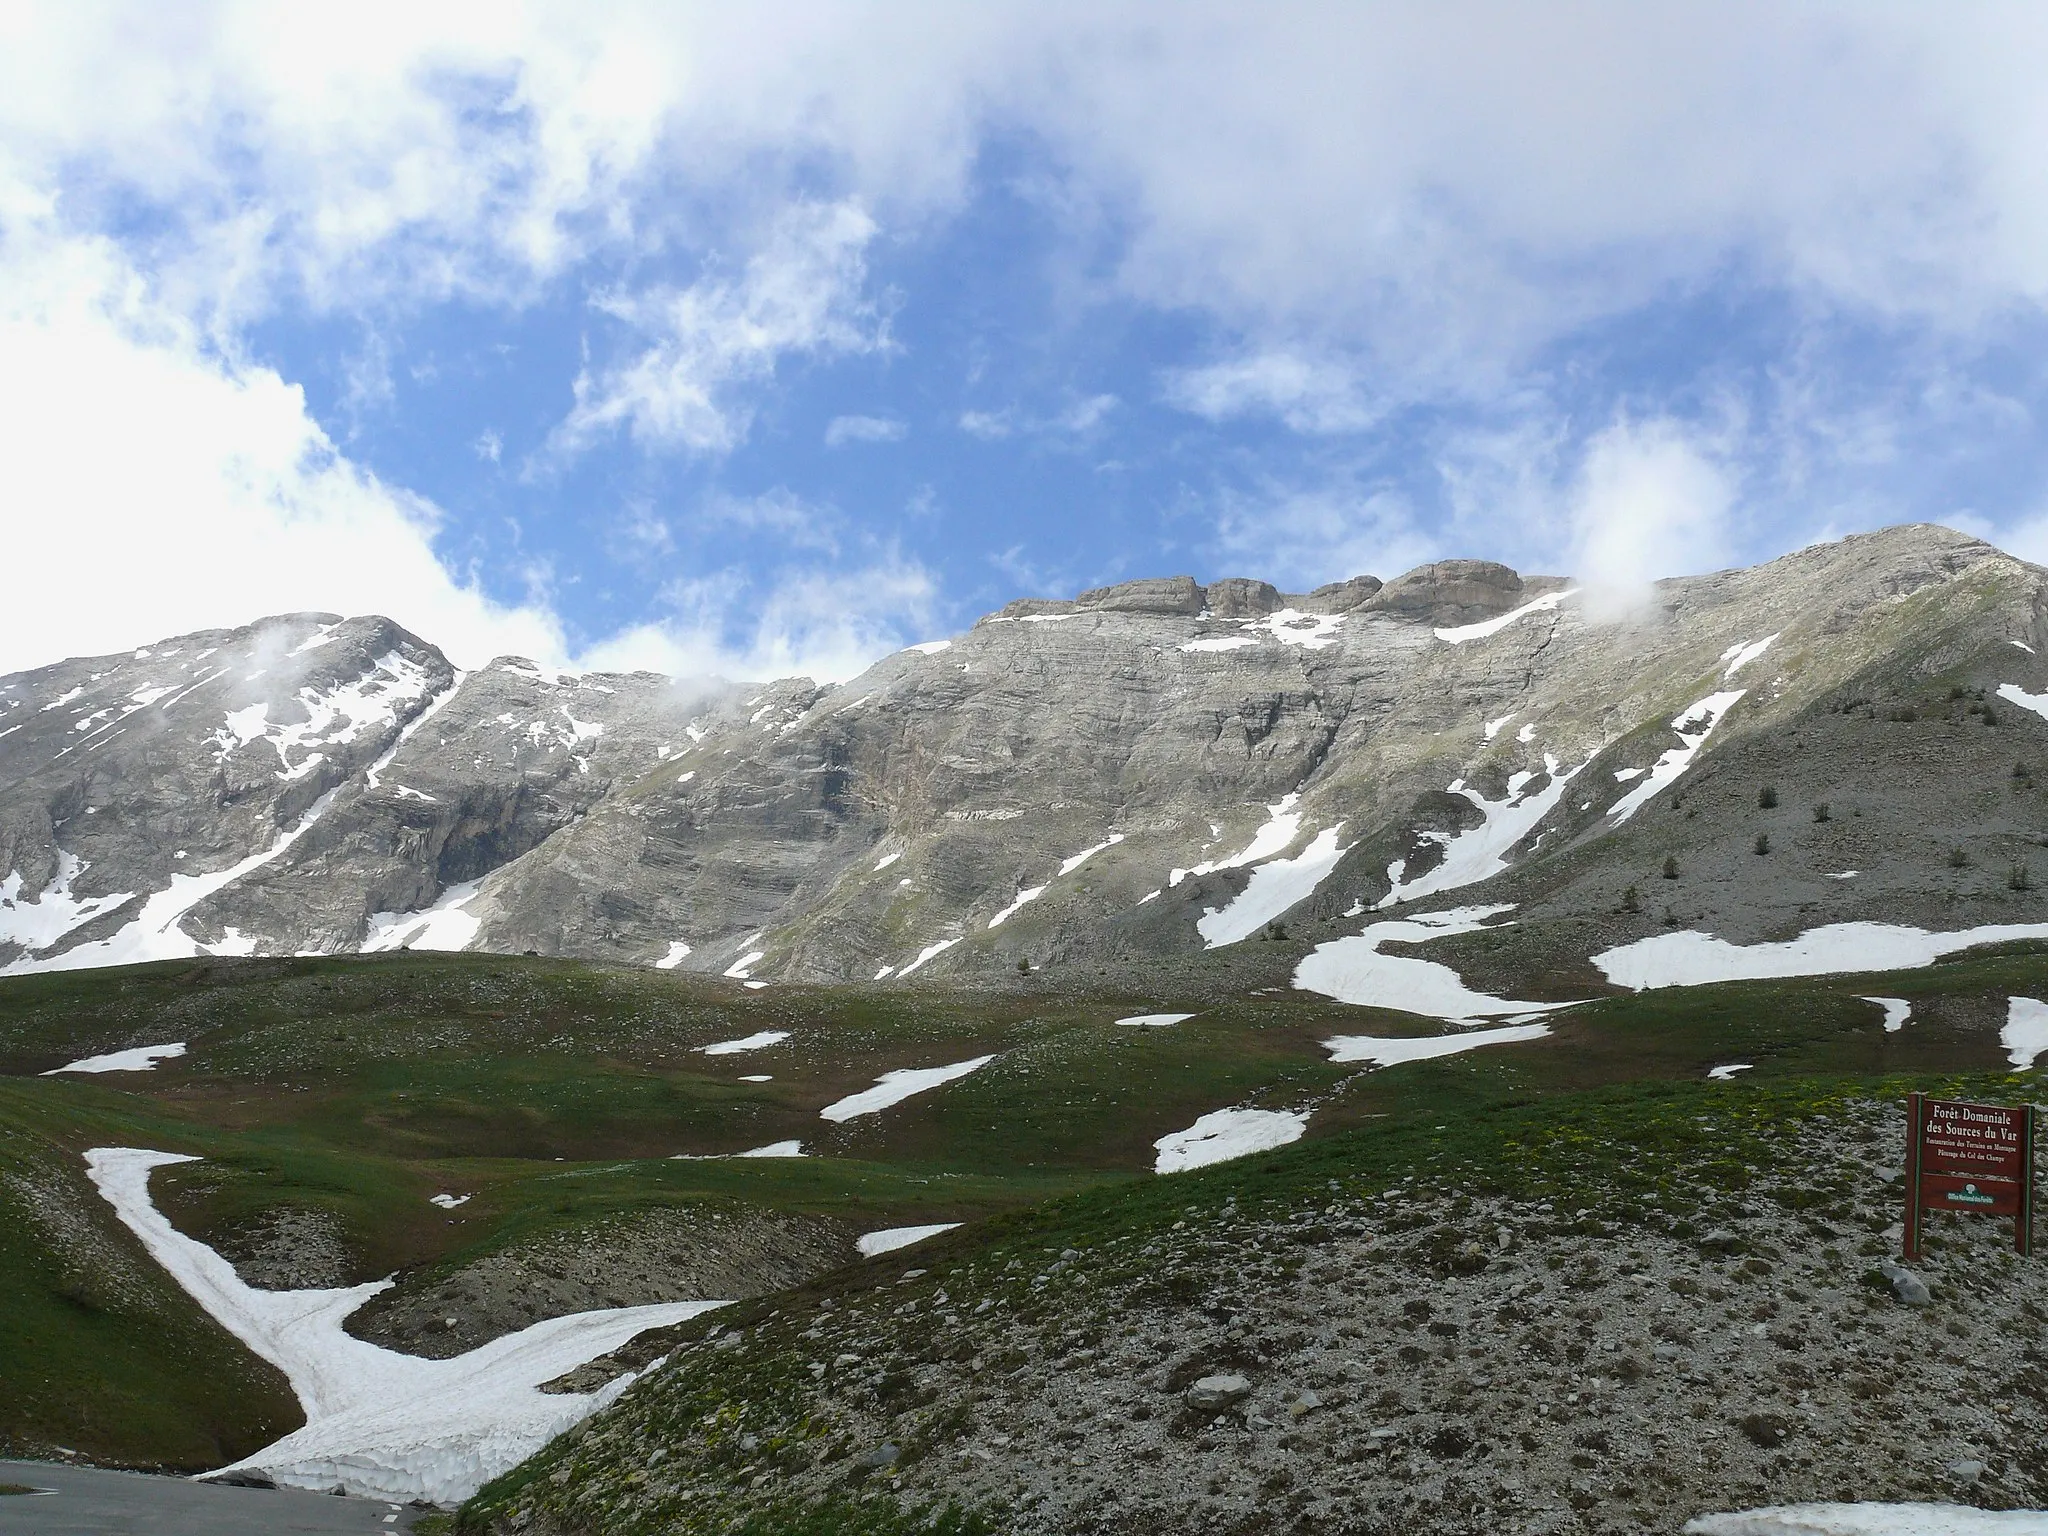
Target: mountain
(1215, 777)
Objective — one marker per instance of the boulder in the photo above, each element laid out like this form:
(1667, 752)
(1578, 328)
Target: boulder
(1154, 594)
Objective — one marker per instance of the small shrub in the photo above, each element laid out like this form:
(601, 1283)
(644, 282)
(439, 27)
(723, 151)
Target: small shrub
(1023, 967)
(2019, 878)
(1958, 858)
(1631, 900)
(1988, 715)
(1958, 692)
(1821, 812)
(1670, 866)
(1767, 797)
(1763, 842)
(2022, 776)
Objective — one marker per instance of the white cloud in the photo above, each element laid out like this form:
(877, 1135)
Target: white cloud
(1076, 419)
(800, 293)
(1309, 395)
(152, 486)
(1651, 501)
(823, 624)
(842, 430)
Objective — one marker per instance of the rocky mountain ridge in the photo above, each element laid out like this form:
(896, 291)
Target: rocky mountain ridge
(1156, 770)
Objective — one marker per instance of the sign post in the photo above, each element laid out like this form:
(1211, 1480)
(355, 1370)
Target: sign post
(1975, 1158)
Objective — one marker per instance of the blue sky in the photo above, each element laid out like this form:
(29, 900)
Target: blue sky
(759, 340)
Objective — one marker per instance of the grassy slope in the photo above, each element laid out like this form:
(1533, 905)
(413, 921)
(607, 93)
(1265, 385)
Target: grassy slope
(557, 1092)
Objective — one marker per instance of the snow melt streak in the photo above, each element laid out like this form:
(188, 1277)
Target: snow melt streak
(379, 1423)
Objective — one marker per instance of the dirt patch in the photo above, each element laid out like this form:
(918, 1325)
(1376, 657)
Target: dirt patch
(696, 1253)
(289, 1248)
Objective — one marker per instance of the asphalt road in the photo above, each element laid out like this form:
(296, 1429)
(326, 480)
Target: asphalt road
(85, 1501)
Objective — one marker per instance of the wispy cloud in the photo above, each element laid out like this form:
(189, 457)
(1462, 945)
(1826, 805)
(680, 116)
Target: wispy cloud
(688, 388)
(842, 430)
(1309, 395)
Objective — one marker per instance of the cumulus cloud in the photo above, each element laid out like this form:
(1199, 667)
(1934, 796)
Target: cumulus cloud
(154, 486)
(1651, 501)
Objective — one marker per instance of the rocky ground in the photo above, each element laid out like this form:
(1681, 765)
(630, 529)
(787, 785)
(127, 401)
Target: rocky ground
(1617, 1327)
(694, 1254)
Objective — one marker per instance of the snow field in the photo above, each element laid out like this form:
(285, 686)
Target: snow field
(1463, 632)
(754, 1042)
(1481, 853)
(143, 1058)
(1392, 1051)
(2025, 1035)
(378, 1423)
(1224, 1134)
(1155, 1020)
(1691, 958)
(678, 952)
(444, 926)
(1354, 971)
(1693, 728)
(895, 1087)
(1275, 887)
(889, 1239)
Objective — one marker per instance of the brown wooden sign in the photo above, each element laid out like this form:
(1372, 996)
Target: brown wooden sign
(1975, 1158)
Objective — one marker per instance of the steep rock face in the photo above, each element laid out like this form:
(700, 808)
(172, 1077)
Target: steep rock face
(1150, 770)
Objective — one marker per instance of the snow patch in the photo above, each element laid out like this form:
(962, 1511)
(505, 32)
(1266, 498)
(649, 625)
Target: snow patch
(1275, 887)
(1224, 1134)
(678, 952)
(447, 1202)
(1480, 852)
(1479, 631)
(886, 860)
(2025, 1035)
(1283, 821)
(1738, 656)
(1068, 866)
(1354, 971)
(1384, 1051)
(931, 647)
(38, 924)
(889, 1239)
(1693, 959)
(1727, 1073)
(1024, 896)
(743, 968)
(1493, 727)
(1896, 1012)
(929, 952)
(2012, 693)
(758, 1042)
(776, 1149)
(378, 1423)
(1693, 728)
(894, 1087)
(443, 926)
(1155, 1020)
(1290, 626)
(143, 1058)
(1220, 643)
(155, 933)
